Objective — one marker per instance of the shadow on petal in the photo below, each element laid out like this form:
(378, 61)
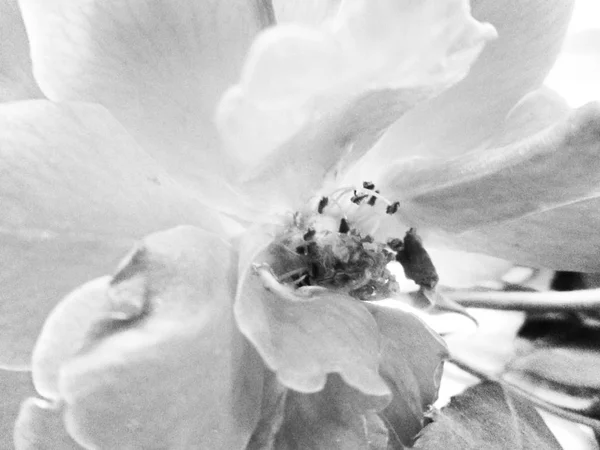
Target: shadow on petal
(411, 364)
(167, 368)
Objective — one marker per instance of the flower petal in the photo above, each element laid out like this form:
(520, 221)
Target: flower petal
(168, 368)
(412, 356)
(16, 77)
(310, 95)
(159, 67)
(465, 116)
(16, 387)
(309, 12)
(40, 427)
(303, 338)
(520, 202)
(64, 332)
(336, 418)
(75, 193)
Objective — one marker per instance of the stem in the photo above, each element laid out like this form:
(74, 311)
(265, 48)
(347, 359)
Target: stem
(515, 390)
(551, 301)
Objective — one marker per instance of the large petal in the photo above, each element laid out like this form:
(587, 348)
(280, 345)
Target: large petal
(309, 96)
(532, 202)
(303, 338)
(530, 33)
(159, 66)
(412, 358)
(167, 367)
(16, 76)
(75, 192)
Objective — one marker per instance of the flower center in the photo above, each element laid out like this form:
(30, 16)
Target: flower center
(327, 246)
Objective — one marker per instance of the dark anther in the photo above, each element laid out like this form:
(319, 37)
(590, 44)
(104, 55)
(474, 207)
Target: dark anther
(367, 239)
(395, 244)
(416, 262)
(309, 234)
(301, 250)
(358, 198)
(372, 200)
(344, 227)
(368, 185)
(393, 208)
(322, 204)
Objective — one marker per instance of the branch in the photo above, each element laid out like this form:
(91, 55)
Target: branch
(551, 301)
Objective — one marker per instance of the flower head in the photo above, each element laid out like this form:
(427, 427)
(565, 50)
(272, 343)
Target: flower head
(337, 137)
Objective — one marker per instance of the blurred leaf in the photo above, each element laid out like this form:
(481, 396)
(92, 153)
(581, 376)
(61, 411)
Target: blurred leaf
(485, 416)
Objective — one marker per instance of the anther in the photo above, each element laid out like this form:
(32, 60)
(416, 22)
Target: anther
(344, 227)
(368, 185)
(373, 199)
(393, 208)
(358, 198)
(309, 234)
(322, 204)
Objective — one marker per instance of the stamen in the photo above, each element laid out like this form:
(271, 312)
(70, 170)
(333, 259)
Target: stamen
(291, 274)
(357, 199)
(373, 199)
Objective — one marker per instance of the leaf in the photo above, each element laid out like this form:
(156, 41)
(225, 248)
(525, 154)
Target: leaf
(485, 416)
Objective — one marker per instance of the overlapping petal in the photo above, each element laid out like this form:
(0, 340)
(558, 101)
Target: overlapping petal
(530, 34)
(16, 76)
(304, 336)
(309, 96)
(520, 202)
(159, 67)
(167, 367)
(412, 357)
(75, 192)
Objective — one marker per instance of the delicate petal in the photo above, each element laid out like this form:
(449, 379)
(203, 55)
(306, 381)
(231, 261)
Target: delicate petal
(530, 33)
(305, 335)
(15, 388)
(168, 368)
(337, 418)
(16, 77)
(159, 66)
(309, 96)
(64, 331)
(40, 427)
(75, 192)
(309, 12)
(521, 201)
(412, 358)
